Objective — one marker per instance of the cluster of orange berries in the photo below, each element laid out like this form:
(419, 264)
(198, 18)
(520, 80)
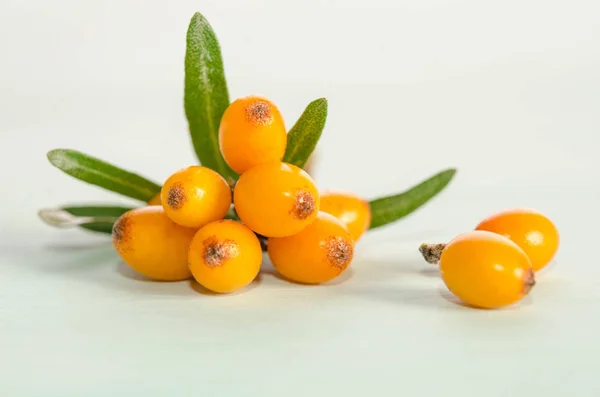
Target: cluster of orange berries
(495, 264)
(184, 232)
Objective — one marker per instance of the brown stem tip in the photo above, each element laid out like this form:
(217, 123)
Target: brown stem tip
(432, 252)
(528, 281)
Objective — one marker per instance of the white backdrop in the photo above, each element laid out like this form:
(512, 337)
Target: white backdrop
(508, 92)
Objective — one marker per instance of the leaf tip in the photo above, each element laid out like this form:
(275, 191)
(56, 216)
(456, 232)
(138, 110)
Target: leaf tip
(197, 16)
(321, 102)
(450, 172)
(54, 155)
(198, 20)
(446, 176)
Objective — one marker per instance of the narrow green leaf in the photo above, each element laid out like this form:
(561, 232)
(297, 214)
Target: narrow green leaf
(97, 172)
(95, 218)
(206, 96)
(98, 211)
(304, 135)
(389, 209)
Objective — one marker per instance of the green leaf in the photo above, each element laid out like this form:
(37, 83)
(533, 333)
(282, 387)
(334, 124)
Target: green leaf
(304, 135)
(231, 214)
(98, 211)
(206, 96)
(97, 172)
(389, 209)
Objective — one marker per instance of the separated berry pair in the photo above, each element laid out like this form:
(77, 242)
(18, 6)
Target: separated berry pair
(494, 265)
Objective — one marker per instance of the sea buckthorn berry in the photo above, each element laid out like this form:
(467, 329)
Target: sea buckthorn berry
(251, 132)
(276, 199)
(486, 270)
(351, 210)
(529, 229)
(319, 253)
(225, 256)
(195, 196)
(155, 200)
(152, 244)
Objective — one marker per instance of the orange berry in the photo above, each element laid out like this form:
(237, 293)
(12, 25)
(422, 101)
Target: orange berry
(152, 244)
(251, 132)
(195, 196)
(225, 256)
(276, 199)
(155, 200)
(319, 253)
(351, 210)
(486, 270)
(529, 229)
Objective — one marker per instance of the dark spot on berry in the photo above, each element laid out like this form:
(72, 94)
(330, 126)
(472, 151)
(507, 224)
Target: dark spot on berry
(120, 230)
(217, 252)
(259, 113)
(304, 205)
(339, 251)
(176, 196)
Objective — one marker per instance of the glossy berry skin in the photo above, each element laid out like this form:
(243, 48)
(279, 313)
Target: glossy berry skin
(251, 132)
(319, 253)
(276, 199)
(195, 196)
(152, 244)
(155, 200)
(529, 229)
(350, 209)
(225, 256)
(486, 270)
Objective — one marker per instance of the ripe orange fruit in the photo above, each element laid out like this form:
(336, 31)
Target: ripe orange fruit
(351, 210)
(155, 200)
(486, 270)
(251, 132)
(225, 256)
(152, 244)
(529, 229)
(276, 199)
(319, 253)
(195, 196)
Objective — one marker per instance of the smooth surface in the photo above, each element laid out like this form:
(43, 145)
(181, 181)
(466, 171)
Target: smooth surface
(508, 92)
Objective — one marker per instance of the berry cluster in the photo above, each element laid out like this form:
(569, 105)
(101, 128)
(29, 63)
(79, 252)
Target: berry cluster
(203, 227)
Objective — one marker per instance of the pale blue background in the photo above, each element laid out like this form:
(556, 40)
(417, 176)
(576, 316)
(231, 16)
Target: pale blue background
(508, 92)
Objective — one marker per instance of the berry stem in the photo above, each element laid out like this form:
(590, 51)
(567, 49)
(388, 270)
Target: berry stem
(432, 252)
(528, 281)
